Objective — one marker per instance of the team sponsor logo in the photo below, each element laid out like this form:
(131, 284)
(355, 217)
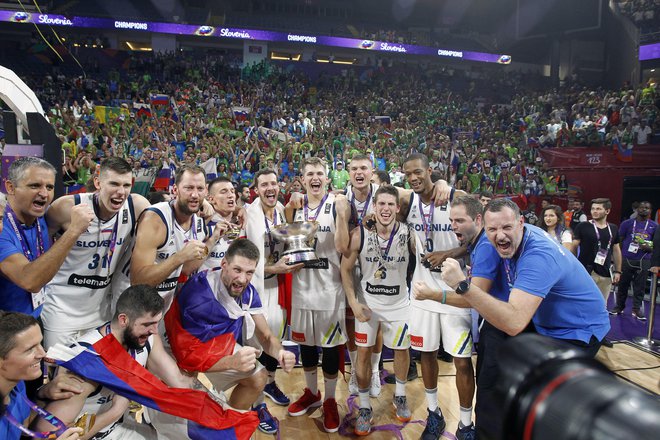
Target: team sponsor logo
(89, 281)
(168, 284)
(382, 290)
(323, 263)
(298, 337)
(360, 338)
(416, 341)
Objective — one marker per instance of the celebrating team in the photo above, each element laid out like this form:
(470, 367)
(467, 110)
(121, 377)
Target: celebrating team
(382, 250)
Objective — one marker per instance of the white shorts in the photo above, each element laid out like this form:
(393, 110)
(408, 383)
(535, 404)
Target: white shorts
(274, 313)
(396, 334)
(321, 328)
(426, 328)
(128, 429)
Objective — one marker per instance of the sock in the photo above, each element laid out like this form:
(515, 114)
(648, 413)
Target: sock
(375, 360)
(466, 416)
(271, 377)
(259, 400)
(400, 388)
(330, 387)
(364, 398)
(311, 382)
(352, 355)
(432, 399)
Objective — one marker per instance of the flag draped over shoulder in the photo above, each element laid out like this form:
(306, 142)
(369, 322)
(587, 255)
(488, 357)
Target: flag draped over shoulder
(112, 367)
(200, 329)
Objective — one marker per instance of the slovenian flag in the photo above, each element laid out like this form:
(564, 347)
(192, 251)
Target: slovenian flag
(200, 329)
(109, 364)
(624, 152)
(160, 100)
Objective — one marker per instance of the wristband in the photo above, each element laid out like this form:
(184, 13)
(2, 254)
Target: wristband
(617, 271)
(444, 297)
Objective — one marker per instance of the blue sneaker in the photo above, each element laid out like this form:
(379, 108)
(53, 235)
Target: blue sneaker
(267, 423)
(466, 432)
(276, 395)
(435, 426)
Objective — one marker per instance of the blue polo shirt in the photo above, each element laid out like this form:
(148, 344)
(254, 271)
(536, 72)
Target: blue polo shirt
(12, 297)
(18, 408)
(485, 263)
(572, 306)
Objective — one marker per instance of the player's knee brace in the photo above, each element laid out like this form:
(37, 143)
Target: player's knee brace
(309, 356)
(330, 364)
(269, 362)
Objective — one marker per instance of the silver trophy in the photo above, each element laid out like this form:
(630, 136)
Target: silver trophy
(298, 238)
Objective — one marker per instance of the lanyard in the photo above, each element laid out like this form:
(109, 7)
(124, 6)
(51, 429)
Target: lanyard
(271, 242)
(427, 226)
(363, 212)
(383, 257)
(59, 425)
(509, 267)
(609, 243)
(318, 209)
(635, 226)
(11, 216)
(193, 224)
(113, 237)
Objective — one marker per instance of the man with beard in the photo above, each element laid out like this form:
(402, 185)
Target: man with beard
(317, 300)
(264, 214)
(170, 236)
(549, 286)
(135, 326)
(467, 223)
(221, 226)
(230, 304)
(27, 260)
(429, 320)
(90, 266)
(385, 256)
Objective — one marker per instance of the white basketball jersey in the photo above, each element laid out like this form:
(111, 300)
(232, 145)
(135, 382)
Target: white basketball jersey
(319, 287)
(384, 267)
(175, 241)
(433, 228)
(101, 399)
(79, 295)
(216, 254)
(359, 209)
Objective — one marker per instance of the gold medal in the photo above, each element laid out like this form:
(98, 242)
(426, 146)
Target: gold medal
(378, 274)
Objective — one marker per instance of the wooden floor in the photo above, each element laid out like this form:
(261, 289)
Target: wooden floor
(627, 360)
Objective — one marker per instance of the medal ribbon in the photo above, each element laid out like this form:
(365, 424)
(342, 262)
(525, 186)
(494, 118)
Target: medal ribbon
(113, 237)
(383, 257)
(361, 214)
(427, 226)
(59, 425)
(318, 209)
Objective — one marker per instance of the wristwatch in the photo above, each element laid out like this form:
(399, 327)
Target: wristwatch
(463, 287)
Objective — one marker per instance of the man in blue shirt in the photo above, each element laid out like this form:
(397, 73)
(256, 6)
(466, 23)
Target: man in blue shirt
(548, 284)
(20, 360)
(27, 259)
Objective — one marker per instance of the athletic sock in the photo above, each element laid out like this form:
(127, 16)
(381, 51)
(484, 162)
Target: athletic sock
(364, 398)
(311, 381)
(400, 388)
(432, 399)
(466, 416)
(330, 387)
(375, 360)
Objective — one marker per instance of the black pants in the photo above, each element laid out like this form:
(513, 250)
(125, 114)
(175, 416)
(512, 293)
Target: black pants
(635, 272)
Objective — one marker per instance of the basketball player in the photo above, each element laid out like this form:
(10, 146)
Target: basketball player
(430, 320)
(386, 256)
(318, 301)
(135, 325)
(223, 231)
(264, 214)
(78, 297)
(170, 236)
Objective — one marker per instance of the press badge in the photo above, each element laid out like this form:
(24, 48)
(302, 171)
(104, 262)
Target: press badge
(38, 299)
(633, 248)
(601, 256)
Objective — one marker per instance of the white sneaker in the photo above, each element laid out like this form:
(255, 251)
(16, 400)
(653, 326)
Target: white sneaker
(375, 384)
(353, 384)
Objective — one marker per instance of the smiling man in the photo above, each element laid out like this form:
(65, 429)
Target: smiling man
(27, 260)
(90, 266)
(549, 286)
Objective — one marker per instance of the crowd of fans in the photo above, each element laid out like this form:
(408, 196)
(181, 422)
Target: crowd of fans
(479, 142)
(644, 13)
